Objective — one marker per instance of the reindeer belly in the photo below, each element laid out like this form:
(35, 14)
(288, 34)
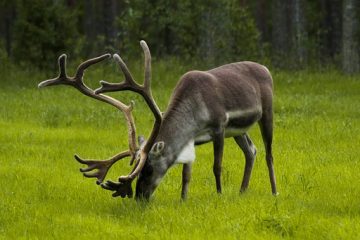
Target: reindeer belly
(237, 123)
(233, 131)
(230, 131)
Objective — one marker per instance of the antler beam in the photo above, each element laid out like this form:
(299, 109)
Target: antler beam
(145, 91)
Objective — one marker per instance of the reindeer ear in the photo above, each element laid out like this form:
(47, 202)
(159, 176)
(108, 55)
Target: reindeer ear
(141, 140)
(157, 148)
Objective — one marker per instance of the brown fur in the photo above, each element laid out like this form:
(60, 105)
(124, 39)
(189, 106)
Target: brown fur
(235, 87)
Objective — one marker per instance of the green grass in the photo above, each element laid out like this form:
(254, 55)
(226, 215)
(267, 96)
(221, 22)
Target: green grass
(44, 196)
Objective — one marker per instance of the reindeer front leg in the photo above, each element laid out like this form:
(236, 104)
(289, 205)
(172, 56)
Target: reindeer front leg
(218, 142)
(186, 176)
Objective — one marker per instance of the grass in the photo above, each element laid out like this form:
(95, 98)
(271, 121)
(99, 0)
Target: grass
(316, 154)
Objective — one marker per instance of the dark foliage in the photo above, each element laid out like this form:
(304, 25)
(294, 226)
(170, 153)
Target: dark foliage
(287, 34)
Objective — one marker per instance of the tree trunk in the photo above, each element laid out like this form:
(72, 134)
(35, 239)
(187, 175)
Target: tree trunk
(7, 23)
(261, 19)
(215, 40)
(298, 32)
(89, 28)
(329, 46)
(350, 47)
(335, 33)
(109, 15)
(280, 36)
(88, 19)
(206, 47)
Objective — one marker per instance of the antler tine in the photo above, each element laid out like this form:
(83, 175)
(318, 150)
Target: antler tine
(147, 64)
(128, 77)
(132, 130)
(62, 66)
(62, 78)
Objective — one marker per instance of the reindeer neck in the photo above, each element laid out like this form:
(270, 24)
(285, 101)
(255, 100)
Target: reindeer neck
(176, 133)
(178, 129)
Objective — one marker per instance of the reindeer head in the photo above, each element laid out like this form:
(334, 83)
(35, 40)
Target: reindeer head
(153, 171)
(138, 153)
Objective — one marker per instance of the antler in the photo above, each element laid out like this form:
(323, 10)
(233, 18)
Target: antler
(145, 91)
(78, 83)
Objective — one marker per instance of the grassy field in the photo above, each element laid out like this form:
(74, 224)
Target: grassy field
(44, 196)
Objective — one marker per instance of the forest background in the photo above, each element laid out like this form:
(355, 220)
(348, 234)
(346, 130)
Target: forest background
(286, 34)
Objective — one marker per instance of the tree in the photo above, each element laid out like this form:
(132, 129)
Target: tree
(329, 29)
(109, 15)
(261, 17)
(298, 32)
(7, 17)
(280, 32)
(211, 30)
(350, 46)
(88, 26)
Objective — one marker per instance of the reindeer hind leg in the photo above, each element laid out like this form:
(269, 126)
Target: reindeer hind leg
(249, 150)
(266, 127)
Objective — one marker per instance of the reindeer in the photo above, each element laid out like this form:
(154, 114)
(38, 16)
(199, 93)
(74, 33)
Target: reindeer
(206, 106)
